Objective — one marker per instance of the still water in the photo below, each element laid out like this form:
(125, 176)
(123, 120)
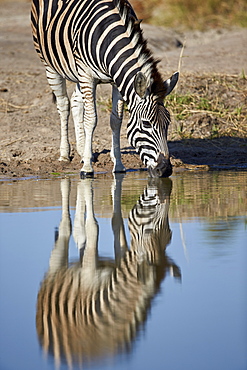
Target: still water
(124, 273)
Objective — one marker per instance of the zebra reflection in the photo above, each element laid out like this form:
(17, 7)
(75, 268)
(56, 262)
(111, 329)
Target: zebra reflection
(95, 307)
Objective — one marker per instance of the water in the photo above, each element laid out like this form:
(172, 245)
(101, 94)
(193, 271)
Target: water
(183, 308)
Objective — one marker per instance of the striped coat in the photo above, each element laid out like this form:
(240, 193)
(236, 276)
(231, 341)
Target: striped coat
(100, 41)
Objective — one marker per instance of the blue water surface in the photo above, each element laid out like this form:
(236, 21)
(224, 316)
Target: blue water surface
(197, 322)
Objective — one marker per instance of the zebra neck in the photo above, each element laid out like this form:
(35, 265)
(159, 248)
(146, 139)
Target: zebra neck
(124, 78)
(131, 99)
(128, 93)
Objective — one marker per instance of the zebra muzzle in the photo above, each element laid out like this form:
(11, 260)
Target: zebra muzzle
(163, 167)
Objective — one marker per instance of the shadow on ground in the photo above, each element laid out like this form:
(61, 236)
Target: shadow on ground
(220, 153)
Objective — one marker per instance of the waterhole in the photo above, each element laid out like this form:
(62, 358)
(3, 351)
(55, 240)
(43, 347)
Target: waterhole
(124, 272)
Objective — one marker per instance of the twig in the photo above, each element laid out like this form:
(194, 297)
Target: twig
(180, 62)
(4, 102)
(14, 141)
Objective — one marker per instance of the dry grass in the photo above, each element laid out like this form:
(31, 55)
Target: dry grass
(205, 107)
(209, 107)
(192, 14)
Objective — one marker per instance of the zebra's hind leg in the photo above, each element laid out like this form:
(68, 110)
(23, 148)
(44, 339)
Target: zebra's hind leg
(77, 112)
(116, 122)
(58, 86)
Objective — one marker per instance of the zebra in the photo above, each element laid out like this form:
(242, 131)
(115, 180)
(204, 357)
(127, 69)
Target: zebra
(95, 307)
(90, 42)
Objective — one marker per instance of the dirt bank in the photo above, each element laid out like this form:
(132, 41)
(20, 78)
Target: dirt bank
(30, 129)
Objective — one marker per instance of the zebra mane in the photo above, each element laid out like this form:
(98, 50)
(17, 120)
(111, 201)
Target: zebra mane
(149, 63)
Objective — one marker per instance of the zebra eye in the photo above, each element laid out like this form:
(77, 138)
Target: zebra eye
(146, 124)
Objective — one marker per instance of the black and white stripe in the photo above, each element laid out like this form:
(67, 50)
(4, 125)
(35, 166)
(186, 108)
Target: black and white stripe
(97, 41)
(148, 222)
(94, 307)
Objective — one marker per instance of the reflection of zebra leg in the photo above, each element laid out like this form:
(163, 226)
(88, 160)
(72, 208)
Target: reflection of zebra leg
(59, 255)
(120, 243)
(173, 270)
(79, 232)
(85, 230)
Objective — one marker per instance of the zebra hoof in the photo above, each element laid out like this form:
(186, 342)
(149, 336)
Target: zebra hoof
(119, 171)
(85, 175)
(64, 159)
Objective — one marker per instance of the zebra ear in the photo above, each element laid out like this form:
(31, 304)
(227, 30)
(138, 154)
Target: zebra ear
(171, 83)
(140, 84)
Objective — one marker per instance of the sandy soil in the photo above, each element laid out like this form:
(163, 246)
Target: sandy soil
(30, 129)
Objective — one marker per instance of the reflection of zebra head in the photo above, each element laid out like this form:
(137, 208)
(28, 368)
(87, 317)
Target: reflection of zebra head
(94, 308)
(149, 226)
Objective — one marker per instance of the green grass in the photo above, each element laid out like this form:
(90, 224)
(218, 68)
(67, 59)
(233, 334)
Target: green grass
(185, 105)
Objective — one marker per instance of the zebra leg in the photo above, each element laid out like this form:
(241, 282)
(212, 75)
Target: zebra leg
(77, 112)
(116, 122)
(88, 90)
(59, 254)
(58, 86)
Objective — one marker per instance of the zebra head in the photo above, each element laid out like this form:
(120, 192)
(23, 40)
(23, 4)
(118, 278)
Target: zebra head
(148, 125)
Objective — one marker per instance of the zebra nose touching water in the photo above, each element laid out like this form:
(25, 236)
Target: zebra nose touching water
(94, 308)
(100, 41)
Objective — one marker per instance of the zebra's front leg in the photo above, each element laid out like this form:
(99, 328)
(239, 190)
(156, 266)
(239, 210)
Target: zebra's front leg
(58, 86)
(116, 122)
(77, 109)
(88, 89)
